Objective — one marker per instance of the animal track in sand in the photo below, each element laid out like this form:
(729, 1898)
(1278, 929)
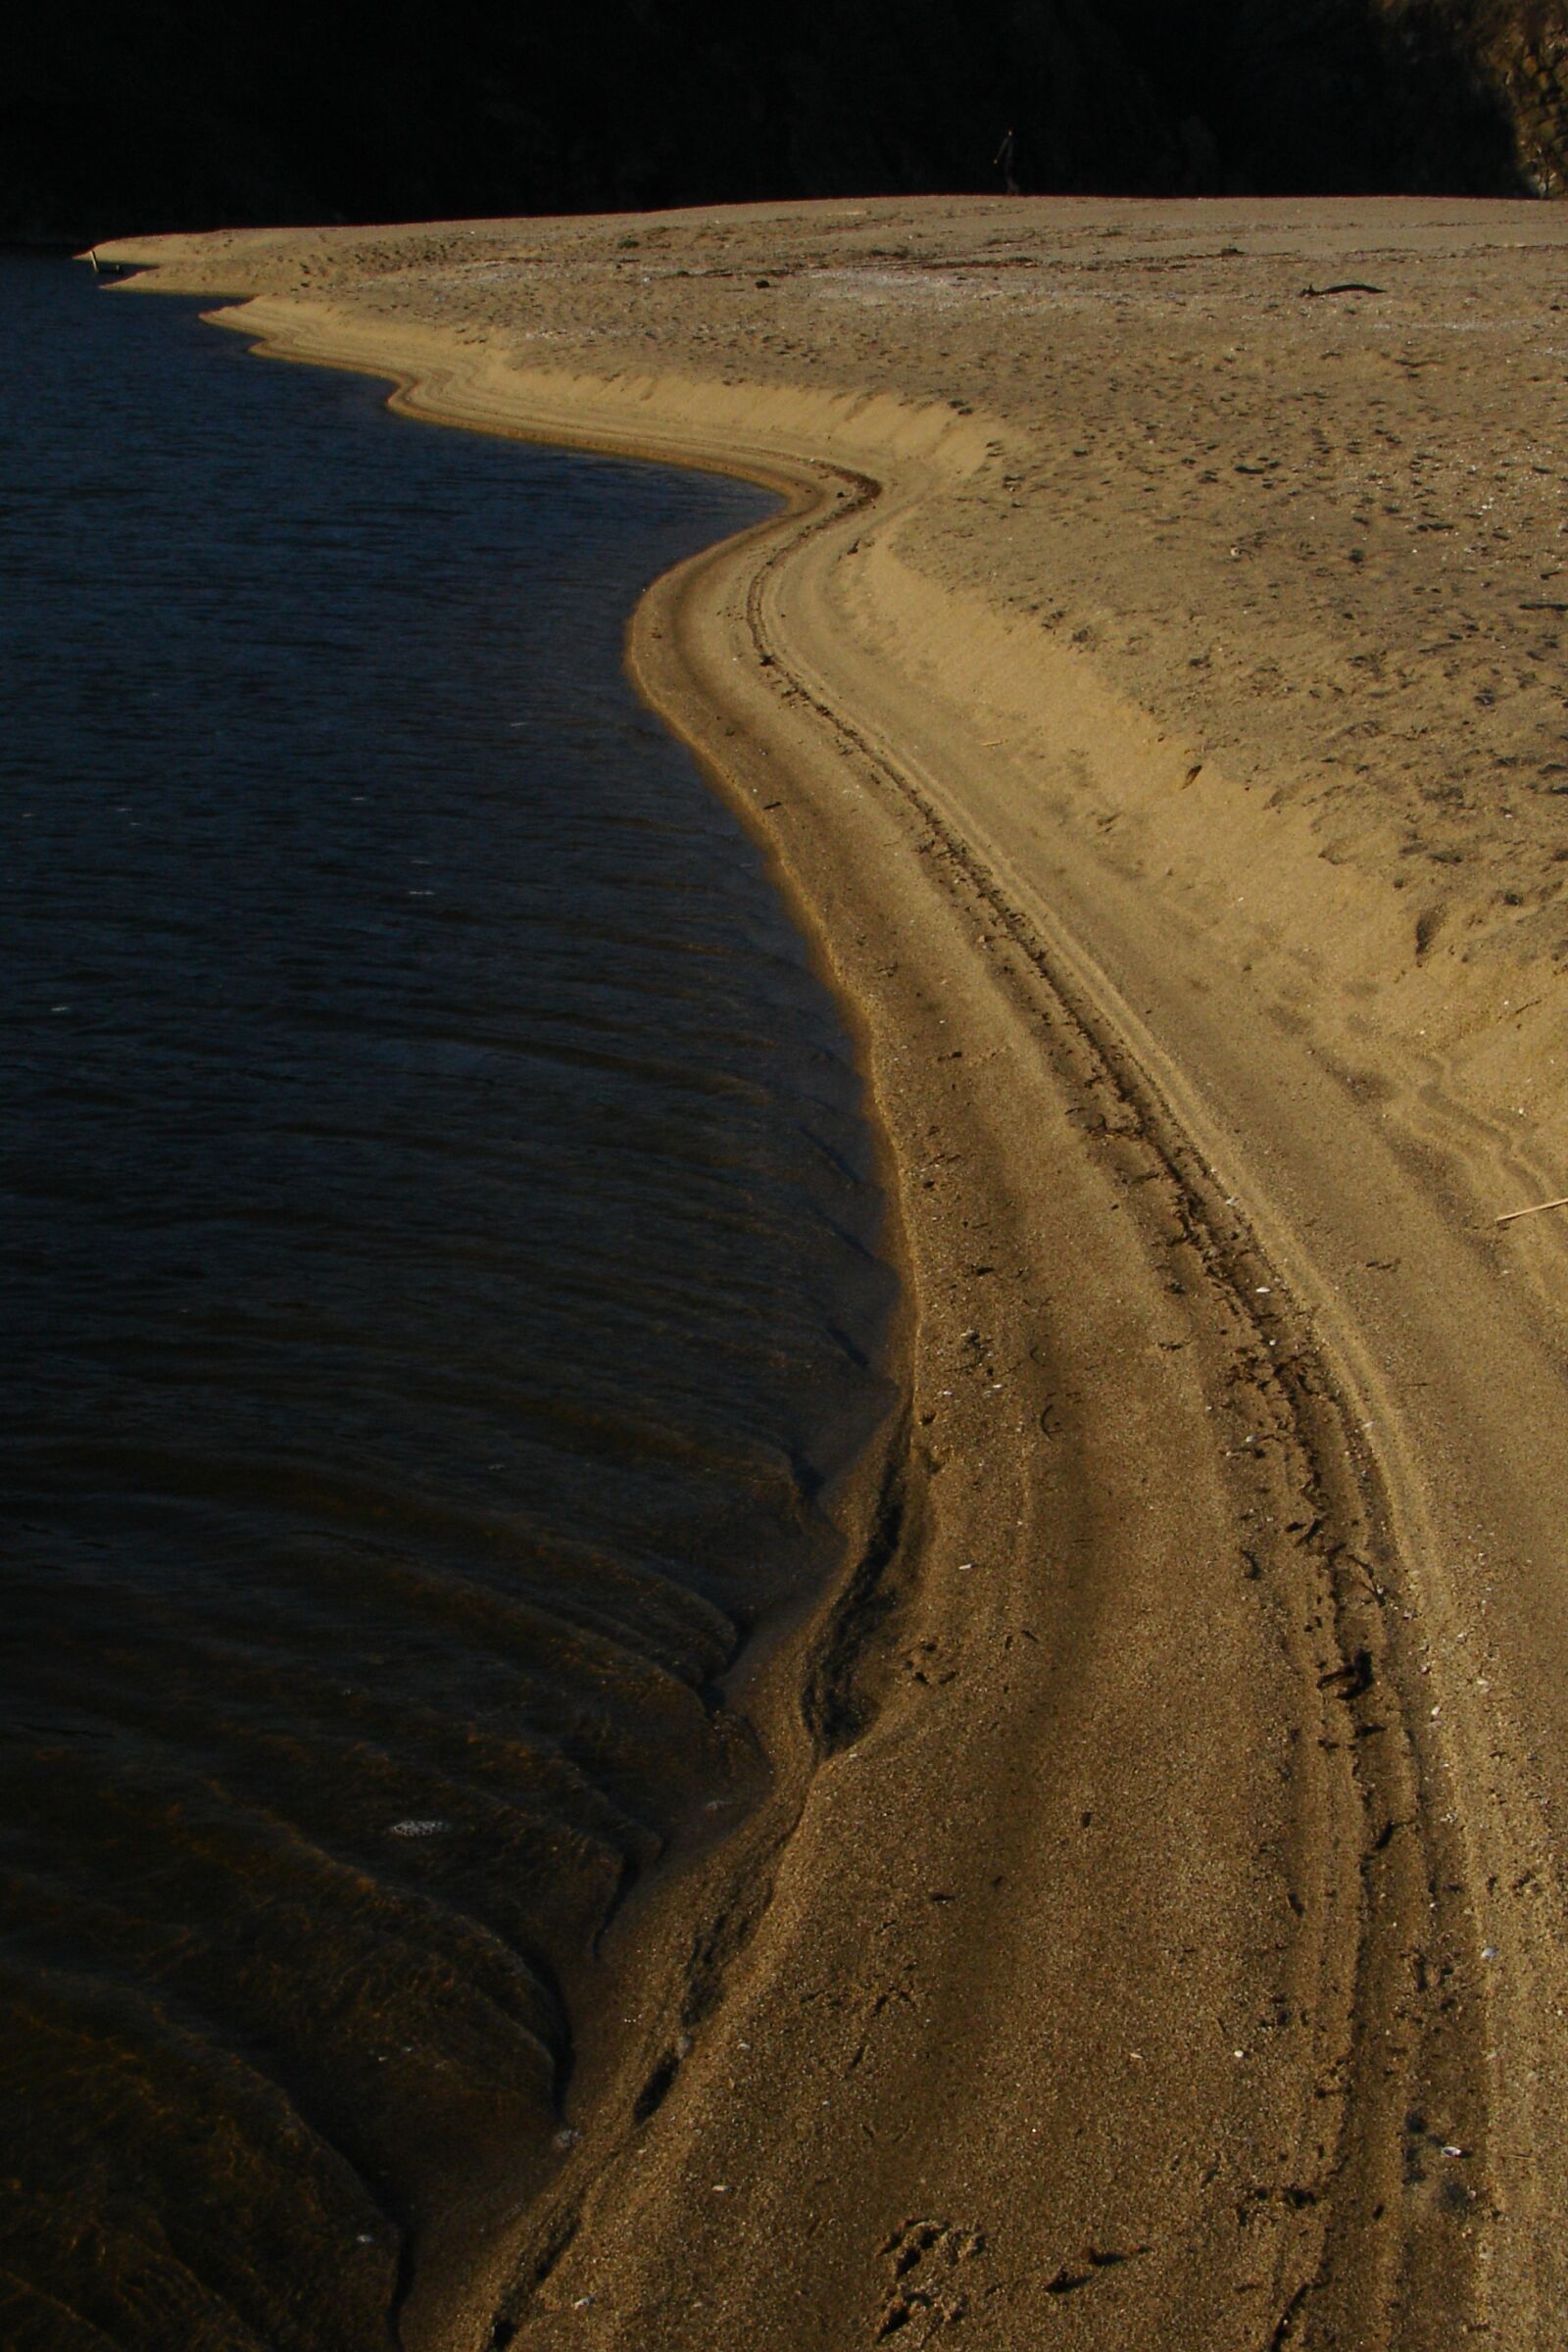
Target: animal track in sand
(927, 2259)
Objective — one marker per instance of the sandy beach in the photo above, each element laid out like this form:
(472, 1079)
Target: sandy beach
(1153, 695)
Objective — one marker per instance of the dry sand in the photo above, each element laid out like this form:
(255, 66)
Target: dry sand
(1154, 696)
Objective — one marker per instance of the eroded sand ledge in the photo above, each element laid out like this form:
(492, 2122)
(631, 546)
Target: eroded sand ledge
(1159, 732)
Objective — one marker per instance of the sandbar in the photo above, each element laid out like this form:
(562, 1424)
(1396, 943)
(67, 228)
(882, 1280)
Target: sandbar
(1152, 695)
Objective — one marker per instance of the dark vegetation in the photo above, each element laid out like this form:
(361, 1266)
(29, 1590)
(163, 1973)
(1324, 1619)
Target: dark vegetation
(164, 114)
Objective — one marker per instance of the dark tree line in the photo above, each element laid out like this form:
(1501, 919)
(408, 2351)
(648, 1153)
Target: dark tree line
(164, 114)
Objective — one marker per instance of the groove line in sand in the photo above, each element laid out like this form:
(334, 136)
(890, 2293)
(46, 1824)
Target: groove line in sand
(1344, 1528)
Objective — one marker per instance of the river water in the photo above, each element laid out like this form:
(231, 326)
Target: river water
(438, 1255)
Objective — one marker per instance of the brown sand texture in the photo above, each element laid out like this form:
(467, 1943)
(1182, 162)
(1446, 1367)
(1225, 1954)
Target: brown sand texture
(1153, 695)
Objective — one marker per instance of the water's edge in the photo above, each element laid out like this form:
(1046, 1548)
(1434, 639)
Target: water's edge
(772, 1708)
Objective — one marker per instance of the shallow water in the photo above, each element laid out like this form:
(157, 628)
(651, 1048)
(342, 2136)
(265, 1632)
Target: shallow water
(438, 1249)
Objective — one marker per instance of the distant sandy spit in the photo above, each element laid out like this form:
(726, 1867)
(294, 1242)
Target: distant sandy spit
(1152, 696)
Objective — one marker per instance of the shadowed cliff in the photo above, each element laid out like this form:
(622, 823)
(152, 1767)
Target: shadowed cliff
(167, 117)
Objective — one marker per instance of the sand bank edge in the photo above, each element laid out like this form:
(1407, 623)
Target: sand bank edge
(432, 390)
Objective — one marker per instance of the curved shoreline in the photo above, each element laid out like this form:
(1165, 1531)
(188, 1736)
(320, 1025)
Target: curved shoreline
(1215, 1802)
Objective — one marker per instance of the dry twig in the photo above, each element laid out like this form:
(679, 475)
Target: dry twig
(1534, 1210)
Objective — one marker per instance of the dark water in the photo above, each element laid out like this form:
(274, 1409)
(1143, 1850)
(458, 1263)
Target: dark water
(438, 1268)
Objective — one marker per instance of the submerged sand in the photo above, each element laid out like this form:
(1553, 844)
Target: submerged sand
(1154, 696)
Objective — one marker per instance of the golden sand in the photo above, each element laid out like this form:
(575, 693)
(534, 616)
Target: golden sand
(1154, 697)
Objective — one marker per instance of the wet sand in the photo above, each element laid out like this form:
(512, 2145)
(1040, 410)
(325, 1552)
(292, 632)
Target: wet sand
(1153, 699)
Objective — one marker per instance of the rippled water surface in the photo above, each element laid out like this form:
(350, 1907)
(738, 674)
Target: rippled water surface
(438, 1269)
